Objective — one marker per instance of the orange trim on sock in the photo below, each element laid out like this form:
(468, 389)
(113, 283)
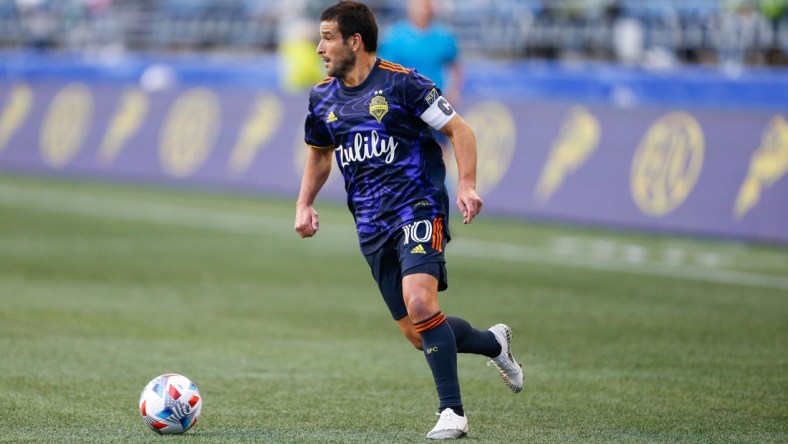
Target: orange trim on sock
(430, 323)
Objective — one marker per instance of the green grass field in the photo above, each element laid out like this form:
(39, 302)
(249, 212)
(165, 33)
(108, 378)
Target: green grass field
(624, 337)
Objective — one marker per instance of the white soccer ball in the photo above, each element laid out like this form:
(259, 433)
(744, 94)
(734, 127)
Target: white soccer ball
(170, 404)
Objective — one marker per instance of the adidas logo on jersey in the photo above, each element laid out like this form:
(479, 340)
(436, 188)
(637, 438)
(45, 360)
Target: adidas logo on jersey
(418, 249)
(331, 117)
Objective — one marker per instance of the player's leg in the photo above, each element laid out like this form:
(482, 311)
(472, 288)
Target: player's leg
(407, 329)
(423, 246)
(420, 293)
(468, 338)
(472, 340)
(385, 267)
(493, 343)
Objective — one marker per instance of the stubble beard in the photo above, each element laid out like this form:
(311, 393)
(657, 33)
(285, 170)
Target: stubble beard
(343, 65)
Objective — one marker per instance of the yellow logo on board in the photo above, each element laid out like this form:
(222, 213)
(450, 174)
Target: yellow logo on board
(189, 132)
(767, 165)
(496, 140)
(578, 139)
(262, 121)
(66, 125)
(667, 164)
(16, 110)
(128, 118)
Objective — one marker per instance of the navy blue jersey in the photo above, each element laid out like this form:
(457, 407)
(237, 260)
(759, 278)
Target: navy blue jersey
(380, 132)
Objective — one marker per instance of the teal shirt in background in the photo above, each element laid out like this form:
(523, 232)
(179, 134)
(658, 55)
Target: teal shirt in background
(428, 50)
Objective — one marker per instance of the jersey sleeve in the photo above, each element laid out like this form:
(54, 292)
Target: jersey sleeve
(430, 105)
(316, 131)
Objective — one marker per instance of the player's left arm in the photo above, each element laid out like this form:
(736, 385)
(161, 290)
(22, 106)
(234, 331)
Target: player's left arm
(435, 111)
(464, 142)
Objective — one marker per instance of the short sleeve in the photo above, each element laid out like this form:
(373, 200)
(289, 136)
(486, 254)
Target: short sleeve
(316, 131)
(429, 102)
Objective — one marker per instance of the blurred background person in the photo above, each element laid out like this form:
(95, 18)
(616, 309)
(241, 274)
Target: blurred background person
(300, 68)
(423, 43)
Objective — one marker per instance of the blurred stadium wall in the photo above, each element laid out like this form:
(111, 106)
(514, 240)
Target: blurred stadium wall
(574, 122)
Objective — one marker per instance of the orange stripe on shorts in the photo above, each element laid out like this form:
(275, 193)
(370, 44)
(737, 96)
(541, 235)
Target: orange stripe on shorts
(437, 234)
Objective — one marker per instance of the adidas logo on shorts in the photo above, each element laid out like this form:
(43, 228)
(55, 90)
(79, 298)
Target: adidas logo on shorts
(418, 249)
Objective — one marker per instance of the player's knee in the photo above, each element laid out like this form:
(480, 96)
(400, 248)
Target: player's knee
(421, 309)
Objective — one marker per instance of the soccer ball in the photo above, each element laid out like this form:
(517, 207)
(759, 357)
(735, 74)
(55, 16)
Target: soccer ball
(170, 404)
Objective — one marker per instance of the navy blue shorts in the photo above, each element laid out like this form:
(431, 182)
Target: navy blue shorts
(415, 248)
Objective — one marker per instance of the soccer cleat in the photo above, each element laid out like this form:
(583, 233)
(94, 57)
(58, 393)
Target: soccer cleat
(511, 371)
(449, 426)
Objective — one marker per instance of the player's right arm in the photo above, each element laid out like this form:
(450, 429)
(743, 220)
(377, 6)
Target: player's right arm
(316, 171)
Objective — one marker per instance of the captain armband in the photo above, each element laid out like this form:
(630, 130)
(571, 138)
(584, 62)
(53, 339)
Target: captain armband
(439, 113)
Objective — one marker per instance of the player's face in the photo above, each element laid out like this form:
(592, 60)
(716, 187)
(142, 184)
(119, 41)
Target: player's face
(338, 57)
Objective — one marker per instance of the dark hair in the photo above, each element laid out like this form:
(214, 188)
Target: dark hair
(354, 17)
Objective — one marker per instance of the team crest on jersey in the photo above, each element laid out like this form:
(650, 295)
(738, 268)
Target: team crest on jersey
(378, 107)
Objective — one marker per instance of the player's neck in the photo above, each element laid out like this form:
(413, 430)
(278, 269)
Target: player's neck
(364, 64)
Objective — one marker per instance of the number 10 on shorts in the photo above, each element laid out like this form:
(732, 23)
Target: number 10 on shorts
(425, 231)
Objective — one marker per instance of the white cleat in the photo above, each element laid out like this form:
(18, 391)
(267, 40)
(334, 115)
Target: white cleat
(449, 426)
(511, 371)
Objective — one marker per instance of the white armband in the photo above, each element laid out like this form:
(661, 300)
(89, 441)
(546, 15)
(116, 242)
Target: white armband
(438, 114)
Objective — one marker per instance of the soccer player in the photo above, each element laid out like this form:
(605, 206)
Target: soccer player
(374, 117)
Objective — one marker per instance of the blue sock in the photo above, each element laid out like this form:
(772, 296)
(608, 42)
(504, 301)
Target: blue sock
(440, 349)
(473, 340)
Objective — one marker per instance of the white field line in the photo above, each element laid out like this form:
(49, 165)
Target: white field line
(133, 210)
(245, 223)
(518, 253)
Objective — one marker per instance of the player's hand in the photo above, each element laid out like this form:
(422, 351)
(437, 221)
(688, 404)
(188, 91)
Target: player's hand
(469, 203)
(306, 221)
